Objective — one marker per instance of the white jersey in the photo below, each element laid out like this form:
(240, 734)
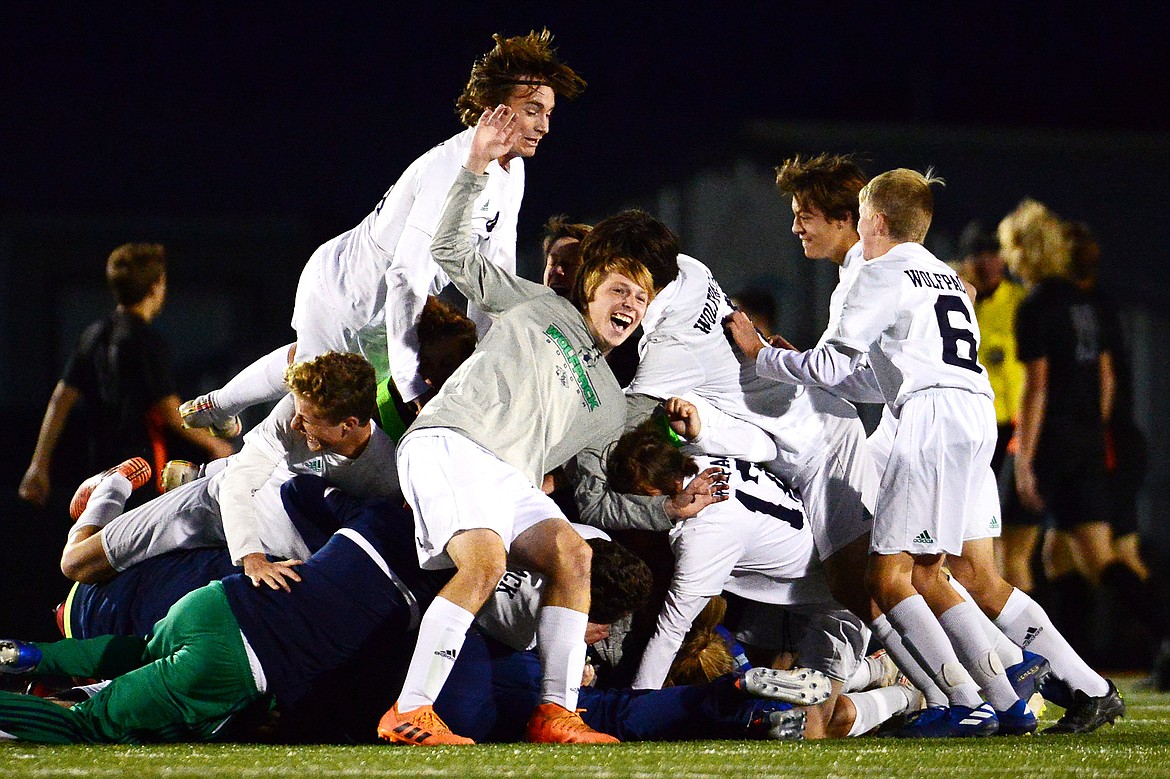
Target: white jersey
(757, 544)
(378, 274)
(683, 349)
(910, 312)
(248, 489)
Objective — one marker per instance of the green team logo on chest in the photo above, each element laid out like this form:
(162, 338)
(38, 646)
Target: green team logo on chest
(583, 383)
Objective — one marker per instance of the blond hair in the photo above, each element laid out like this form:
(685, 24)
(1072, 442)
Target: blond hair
(1034, 242)
(903, 196)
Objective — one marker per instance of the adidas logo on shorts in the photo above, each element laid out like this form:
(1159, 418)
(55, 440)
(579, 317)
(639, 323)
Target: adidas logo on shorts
(446, 654)
(923, 538)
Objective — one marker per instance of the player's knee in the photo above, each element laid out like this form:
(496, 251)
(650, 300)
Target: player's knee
(78, 567)
(574, 557)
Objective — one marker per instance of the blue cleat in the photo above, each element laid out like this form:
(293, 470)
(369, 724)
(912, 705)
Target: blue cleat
(1028, 678)
(953, 722)
(1016, 721)
(18, 657)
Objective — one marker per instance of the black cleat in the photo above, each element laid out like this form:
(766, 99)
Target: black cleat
(1087, 714)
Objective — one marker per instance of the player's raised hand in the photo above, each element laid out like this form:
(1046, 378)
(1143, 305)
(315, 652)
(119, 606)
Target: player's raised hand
(709, 487)
(683, 417)
(495, 134)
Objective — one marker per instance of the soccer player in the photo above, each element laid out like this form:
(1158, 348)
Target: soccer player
(229, 643)
(536, 391)
(819, 438)
(756, 545)
(322, 427)
(562, 253)
(121, 375)
(911, 316)
(363, 291)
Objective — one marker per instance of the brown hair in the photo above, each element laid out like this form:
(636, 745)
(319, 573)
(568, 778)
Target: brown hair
(133, 269)
(558, 227)
(829, 183)
(339, 384)
(525, 60)
(619, 582)
(446, 338)
(903, 196)
(638, 235)
(642, 459)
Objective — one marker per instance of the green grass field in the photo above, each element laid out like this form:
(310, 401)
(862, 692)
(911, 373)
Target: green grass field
(1138, 746)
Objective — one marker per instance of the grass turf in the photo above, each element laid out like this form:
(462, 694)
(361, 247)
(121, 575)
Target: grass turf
(1137, 746)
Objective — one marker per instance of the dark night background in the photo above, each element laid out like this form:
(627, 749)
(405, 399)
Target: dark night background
(245, 136)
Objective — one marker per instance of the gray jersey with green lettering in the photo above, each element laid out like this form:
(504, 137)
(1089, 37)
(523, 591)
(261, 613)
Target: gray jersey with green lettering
(537, 390)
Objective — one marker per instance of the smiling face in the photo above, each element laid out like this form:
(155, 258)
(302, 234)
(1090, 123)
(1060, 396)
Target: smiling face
(820, 237)
(533, 109)
(615, 310)
(318, 431)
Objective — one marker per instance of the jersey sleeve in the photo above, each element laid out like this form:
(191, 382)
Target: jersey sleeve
(869, 308)
(493, 289)
(704, 559)
(245, 474)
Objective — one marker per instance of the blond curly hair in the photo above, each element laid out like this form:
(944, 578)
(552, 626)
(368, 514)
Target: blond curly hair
(1035, 242)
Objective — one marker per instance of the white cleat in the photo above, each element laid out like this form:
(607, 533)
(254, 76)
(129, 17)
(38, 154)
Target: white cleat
(203, 413)
(799, 686)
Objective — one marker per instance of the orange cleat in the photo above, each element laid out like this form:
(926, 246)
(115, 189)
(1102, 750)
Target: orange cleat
(419, 727)
(552, 723)
(135, 469)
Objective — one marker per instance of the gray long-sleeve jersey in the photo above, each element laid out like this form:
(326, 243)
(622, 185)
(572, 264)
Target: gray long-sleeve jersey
(537, 390)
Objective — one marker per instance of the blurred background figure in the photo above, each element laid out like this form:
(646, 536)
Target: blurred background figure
(997, 298)
(121, 380)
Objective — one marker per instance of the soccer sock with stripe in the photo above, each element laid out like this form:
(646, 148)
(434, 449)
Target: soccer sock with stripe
(29, 718)
(560, 642)
(1027, 624)
(106, 502)
(440, 637)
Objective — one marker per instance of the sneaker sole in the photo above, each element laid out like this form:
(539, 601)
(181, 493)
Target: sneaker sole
(800, 686)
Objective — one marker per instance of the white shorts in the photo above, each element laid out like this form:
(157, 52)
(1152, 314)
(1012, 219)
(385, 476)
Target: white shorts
(185, 518)
(823, 636)
(837, 484)
(984, 522)
(931, 485)
(189, 517)
(454, 484)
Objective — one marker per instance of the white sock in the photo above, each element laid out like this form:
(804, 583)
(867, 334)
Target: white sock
(876, 706)
(908, 664)
(927, 642)
(869, 672)
(106, 502)
(560, 642)
(1027, 624)
(440, 637)
(1007, 649)
(260, 382)
(978, 656)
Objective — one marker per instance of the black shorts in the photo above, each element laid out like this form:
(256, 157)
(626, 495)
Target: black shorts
(1070, 472)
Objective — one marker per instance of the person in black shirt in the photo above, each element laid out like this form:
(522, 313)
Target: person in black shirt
(121, 374)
